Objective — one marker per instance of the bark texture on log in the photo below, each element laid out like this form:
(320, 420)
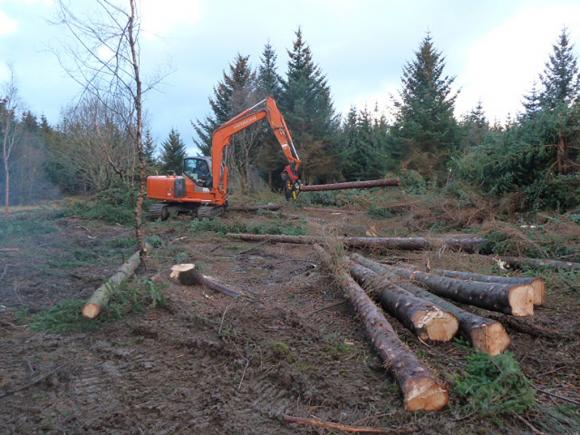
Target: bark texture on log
(486, 335)
(351, 185)
(421, 390)
(102, 295)
(517, 300)
(519, 262)
(538, 284)
(269, 206)
(426, 320)
(186, 274)
(377, 243)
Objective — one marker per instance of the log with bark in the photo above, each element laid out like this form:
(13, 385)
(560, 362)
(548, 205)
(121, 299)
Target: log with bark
(426, 320)
(269, 206)
(186, 274)
(486, 335)
(519, 262)
(351, 185)
(514, 299)
(376, 243)
(421, 390)
(538, 284)
(102, 295)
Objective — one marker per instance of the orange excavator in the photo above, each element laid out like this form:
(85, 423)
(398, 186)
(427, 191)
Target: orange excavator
(202, 190)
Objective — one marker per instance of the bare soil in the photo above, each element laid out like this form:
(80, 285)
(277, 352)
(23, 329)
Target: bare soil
(210, 364)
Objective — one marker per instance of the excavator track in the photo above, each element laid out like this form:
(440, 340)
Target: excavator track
(209, 212)
(158, 211)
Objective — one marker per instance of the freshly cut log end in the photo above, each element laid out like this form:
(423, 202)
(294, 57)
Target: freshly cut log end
(540, 294)
(521, 299)
(91, 311)
(424, 394)
(490, 338)
(435, 325)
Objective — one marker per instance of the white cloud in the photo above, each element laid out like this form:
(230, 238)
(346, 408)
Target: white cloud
(380, 96)
(160, 18)
(7, 25)
(503, 64)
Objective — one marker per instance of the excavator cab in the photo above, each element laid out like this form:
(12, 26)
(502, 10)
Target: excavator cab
(198, 170)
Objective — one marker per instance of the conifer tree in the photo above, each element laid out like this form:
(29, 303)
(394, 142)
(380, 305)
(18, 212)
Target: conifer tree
(149, 150)
(268, 81)
(475, 126)
(309, 111)
(531, 103)
(173, 153)
(560, 79)
(270, 160)
(425, 126)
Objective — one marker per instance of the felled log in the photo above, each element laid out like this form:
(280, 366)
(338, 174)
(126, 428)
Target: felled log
(426, 320)
(421, 390)
(519, 262)
(351, 185)
(514, 299)
(538, 284)
(269, 206)
(102, 295)
(186, 274)
(486, 335)
(376, 243)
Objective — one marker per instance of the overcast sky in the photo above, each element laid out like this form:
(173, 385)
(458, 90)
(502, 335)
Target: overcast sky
(494, 48)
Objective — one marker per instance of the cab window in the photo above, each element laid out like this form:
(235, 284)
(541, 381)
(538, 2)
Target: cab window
(198, 171)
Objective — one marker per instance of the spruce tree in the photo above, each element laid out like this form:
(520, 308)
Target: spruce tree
(270, 160)
(532, 104)
(425, 126)
(309, 111)
(230, 96)
(173, 153)
(149, 150)
(560, 79)
(268, 81)
(475, 126)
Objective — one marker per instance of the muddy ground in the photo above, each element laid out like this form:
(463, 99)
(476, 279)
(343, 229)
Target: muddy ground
(206, 363)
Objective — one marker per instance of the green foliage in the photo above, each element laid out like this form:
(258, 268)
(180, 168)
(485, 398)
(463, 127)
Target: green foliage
(495, 385)
(155, 241)
(425, 130)
(379, 212)
(413, 182)
(114, 206)
(66, 316)
(25, 226)
(219, 226)
(173, 153)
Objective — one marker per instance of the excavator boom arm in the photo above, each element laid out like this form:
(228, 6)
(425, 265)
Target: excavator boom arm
(265, 109)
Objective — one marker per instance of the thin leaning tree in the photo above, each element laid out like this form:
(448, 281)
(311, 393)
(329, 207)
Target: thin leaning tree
(105, 55)
(9, 132)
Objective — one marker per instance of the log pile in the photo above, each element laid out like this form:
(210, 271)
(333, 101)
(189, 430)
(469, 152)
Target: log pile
(424, 303)
(422, 391)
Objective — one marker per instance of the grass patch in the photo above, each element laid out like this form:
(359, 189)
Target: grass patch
(66, 316)
(25, 226)
(219, 226)
(495, 385)
(379, 212)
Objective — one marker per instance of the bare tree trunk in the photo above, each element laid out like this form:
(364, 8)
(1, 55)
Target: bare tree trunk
(6, 185)
(138, 100)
